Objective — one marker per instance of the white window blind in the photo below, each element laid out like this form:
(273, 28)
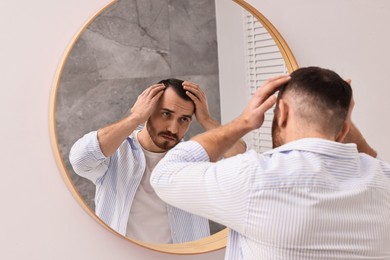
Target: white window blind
(263, 61)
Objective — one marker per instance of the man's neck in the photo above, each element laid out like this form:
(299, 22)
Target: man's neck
(297, 129)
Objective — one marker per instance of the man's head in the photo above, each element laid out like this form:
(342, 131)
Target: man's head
(314, 103)
(172, 117)
(177, 86)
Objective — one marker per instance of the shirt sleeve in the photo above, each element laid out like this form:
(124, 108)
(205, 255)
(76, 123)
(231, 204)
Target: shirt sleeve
(218, 191)
(87, 159)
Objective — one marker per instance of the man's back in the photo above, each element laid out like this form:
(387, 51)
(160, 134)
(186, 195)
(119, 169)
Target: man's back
(313, 197)
(316, 199)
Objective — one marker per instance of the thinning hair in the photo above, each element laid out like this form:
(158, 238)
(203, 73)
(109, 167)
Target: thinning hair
(320, 98)
(177, 86)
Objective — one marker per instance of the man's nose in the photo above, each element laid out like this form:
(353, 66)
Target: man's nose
(173, 127)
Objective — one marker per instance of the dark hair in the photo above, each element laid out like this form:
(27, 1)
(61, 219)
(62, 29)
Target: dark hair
(323, 97)
(177, 86)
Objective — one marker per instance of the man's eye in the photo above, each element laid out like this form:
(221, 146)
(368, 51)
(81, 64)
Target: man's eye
(185, 119)
(166, 114)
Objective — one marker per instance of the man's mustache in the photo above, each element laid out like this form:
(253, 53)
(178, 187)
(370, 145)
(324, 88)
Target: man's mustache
(170, 134)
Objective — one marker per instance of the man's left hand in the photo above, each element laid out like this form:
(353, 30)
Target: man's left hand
(202, 112)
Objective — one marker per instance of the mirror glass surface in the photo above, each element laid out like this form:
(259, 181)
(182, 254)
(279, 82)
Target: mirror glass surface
(126, 47)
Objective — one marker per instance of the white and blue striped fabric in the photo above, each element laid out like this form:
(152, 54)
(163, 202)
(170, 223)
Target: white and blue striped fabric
(308, 199)
(117, 179)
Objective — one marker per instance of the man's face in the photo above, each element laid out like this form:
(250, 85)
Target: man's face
(170, 121)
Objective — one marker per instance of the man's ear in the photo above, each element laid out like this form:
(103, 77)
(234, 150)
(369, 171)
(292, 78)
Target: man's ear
(282, 114)
(348, 122)
(344, 131)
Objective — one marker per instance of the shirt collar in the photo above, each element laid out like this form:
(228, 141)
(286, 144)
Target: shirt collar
(319, 145)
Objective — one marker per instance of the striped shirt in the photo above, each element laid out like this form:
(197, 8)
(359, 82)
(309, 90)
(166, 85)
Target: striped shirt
(308, 199)
(117, 179)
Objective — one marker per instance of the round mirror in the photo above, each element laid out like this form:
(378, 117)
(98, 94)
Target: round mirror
(126, 47)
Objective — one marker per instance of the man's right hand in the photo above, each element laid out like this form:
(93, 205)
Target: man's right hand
(262, 100)
(146, 102)
(111, 137)
(219, 140)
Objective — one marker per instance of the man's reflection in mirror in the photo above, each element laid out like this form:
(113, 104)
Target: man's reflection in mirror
(119, 159)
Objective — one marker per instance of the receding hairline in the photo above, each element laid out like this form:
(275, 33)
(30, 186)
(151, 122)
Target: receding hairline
(177, 87)
(173, 92)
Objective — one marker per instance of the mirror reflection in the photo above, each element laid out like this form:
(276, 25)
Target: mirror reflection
(130, 46)
(127, 48)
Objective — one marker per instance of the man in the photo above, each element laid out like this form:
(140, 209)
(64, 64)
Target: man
(119, 159)
(311, 197)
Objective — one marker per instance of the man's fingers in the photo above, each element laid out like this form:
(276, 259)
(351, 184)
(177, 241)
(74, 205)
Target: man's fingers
(191, 84)
(195, 90)
(280, 77)
(268, 103)
(270, 87)
(157, 95)
(154, 89)
(273, 85)
(193, 97)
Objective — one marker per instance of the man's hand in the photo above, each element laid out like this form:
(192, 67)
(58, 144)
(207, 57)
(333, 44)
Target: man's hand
(218, 141)
(111, 137)
(146, 102)
(263, 99)
(354, 135)
(202, 112)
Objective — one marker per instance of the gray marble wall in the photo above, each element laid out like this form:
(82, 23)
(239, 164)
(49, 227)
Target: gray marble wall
(130, 46)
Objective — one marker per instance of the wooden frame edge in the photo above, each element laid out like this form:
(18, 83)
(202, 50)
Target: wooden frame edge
(288, 56)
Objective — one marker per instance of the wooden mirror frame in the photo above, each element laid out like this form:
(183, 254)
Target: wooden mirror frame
(211, 243)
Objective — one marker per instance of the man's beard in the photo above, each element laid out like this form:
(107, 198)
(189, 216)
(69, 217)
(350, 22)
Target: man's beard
(165, 145)
(276, 140)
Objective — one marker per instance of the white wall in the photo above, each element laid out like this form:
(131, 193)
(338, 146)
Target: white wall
(39, 217)
(231, 59)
